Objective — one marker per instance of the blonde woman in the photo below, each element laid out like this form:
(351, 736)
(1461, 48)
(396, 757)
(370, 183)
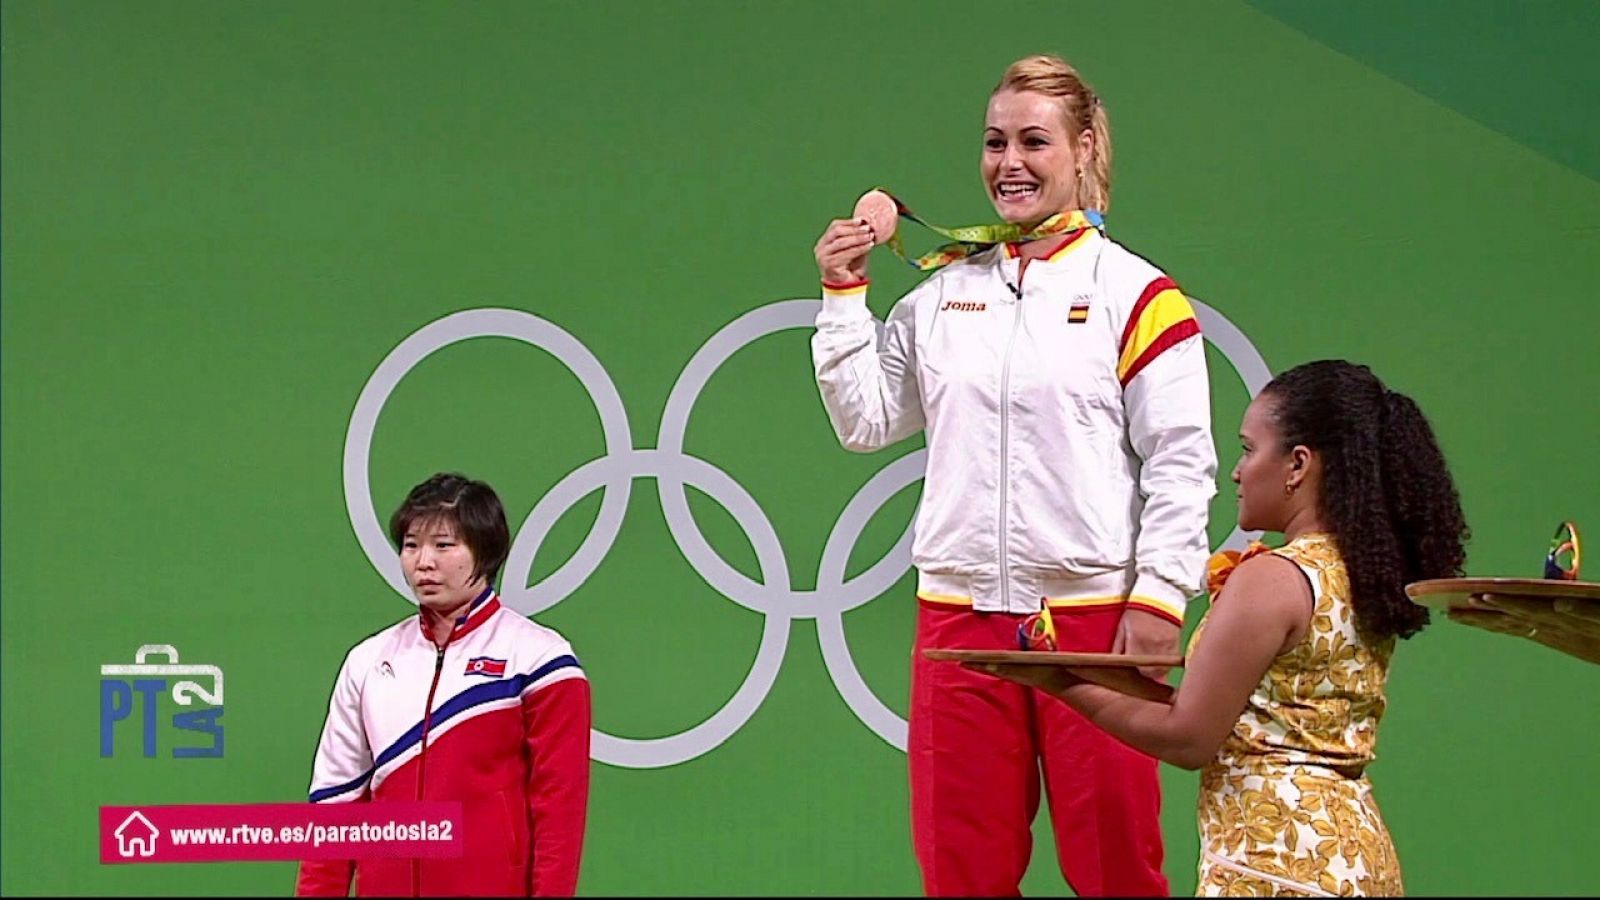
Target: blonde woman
(1061, 384)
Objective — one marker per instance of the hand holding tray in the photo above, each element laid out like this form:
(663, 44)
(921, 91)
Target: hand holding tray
(1042, 668)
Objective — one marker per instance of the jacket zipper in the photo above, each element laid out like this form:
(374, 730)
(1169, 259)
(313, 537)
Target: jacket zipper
(422, 761)
(1005, 444)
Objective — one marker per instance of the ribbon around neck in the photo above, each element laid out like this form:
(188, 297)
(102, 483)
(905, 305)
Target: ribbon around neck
(966, 240)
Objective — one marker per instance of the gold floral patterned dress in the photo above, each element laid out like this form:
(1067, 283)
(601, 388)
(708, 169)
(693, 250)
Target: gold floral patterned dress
(1285, 809)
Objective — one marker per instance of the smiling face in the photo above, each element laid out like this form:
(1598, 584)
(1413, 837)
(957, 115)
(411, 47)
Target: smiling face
(1030, 159)
(438, 565)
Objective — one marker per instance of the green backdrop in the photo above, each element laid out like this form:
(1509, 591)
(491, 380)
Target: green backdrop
(220, 218)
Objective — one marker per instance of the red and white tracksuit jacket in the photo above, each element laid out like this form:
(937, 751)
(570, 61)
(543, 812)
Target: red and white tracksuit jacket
(497, 719)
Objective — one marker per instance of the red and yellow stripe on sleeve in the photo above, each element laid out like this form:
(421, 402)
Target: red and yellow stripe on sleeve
(1160, 319)
(1172, 612)
(846, 288)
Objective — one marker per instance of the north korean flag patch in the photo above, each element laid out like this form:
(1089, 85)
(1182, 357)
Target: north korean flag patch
(483, 665)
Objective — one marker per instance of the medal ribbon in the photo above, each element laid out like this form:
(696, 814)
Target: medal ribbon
(969, 239)
(1562, 562)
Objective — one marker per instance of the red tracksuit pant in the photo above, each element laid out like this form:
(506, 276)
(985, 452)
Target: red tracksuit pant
(977, 747)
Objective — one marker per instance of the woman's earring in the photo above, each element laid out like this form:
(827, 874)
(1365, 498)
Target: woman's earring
(1288, 490)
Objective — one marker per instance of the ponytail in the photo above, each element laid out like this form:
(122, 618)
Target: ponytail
(1386, 495)
(1423, 506)
(1094, 191)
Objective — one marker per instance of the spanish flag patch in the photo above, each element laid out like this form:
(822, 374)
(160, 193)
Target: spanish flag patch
(1079, 312)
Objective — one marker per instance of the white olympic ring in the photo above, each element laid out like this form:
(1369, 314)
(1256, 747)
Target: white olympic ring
(673, 470)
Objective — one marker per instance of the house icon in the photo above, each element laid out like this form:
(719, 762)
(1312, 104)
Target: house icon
(136, 836)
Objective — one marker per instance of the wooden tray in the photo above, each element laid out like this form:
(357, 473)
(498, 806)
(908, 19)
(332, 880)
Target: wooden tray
(1054, 658)
(1446, 593)
(1117, 671)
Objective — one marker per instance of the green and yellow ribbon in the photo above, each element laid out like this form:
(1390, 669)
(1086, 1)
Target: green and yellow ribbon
(1564, 557)
(969, 239)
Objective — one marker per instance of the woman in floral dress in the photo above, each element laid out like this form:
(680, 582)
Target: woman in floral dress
(1284, 685)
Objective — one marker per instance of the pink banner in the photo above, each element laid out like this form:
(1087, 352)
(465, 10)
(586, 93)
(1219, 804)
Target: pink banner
(278, 831)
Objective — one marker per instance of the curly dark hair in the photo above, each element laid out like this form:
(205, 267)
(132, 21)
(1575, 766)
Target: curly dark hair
(1387, 495)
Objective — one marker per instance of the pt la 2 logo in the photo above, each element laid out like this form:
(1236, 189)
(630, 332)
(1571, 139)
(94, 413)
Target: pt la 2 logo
(118, 684)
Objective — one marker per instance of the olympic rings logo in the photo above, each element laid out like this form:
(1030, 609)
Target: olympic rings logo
(672, 470)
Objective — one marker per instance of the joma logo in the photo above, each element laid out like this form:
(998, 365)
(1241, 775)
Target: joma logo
(964, 306)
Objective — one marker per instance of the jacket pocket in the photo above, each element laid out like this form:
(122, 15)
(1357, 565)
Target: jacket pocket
(514, 815)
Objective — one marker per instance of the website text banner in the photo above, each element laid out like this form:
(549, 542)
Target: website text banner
(279, 831)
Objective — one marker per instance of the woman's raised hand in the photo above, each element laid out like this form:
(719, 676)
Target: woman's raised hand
(842, 251)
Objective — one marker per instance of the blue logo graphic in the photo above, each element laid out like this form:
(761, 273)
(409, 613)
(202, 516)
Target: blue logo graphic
(118, 684)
